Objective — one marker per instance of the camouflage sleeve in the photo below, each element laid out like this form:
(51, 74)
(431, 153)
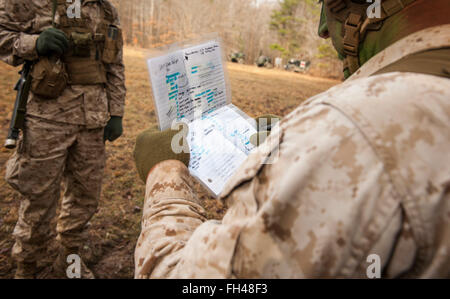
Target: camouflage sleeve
(171, 214)
(15, 44)
(115, 85)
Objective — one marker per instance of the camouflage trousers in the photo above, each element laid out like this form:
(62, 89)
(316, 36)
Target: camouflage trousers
(51, 155)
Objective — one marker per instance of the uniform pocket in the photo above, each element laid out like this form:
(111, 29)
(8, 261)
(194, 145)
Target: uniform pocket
(12, 171)
(13, 164)
(82, 44)
(49, 79)
(113, 44)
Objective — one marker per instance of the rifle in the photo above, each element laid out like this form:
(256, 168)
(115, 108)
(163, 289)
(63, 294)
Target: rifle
(18, 117)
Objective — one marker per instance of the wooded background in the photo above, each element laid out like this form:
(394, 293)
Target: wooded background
(284, 28)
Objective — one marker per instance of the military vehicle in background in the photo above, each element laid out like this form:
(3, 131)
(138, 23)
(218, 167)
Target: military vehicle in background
(297, 66)
(264, 61)
(237, 57)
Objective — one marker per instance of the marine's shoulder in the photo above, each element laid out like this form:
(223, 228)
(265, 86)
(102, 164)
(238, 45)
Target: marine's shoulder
(394, 88)
(373, 102)
(22, 14)
(110, 9)
(18, 5)
(430, 38)
(109, 4)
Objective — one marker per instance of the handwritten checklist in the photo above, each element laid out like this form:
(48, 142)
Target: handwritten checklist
(189, 85)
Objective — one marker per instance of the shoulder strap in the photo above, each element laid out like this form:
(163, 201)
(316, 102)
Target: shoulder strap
(54, 5)
(356, 26)
(109, 11)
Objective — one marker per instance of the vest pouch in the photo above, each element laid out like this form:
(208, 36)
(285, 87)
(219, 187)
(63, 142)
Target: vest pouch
(49, 78)
(85, 71)
(82, 43)
(113, 40)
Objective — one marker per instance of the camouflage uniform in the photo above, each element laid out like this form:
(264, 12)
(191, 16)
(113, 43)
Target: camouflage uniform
(362, 170)
(63, 138)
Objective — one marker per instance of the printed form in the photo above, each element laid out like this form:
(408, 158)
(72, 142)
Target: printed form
(189, 85)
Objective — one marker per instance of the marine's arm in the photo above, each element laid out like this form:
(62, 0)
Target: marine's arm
(16, 45)
(115, 81)
(176, 241)
(323, 207)
(115, 75)
(171, 214)
(294, 218)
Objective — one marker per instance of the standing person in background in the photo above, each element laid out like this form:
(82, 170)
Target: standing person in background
(76, 103)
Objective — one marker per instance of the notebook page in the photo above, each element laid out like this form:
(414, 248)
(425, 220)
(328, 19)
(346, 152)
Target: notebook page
(219, 143)
(170, 86)
(205, 72)
(238, 126)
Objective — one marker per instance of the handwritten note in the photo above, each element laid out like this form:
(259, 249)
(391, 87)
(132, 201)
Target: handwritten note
(189, 85)
(219, 143)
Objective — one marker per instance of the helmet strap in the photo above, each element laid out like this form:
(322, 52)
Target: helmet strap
(352, 38)
(356, 26)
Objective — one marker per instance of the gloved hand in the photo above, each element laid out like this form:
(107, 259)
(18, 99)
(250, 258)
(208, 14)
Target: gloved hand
(264, 125)
(113, 129)
(154, 146)
(258, 138)
(52, 41)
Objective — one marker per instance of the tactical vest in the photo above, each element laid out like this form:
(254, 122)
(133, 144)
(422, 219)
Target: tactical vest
(89, 51)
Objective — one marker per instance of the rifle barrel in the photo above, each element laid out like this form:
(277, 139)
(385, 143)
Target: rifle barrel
(18, 114)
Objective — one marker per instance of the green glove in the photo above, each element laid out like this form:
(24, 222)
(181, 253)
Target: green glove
(258, 138)
(154, 146)
(113, 129)
(52, 41)
(264, 125)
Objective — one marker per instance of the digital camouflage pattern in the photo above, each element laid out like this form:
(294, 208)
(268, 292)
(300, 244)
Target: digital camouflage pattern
(70, 154)
(63, 138)
(362, 170)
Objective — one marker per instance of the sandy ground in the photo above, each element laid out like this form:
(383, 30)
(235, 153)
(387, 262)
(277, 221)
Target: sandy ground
(115, 228)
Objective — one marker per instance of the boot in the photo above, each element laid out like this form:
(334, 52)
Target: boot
(63, 269)
(26, 270)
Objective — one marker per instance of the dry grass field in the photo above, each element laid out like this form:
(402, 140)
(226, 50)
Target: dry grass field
(115, 228)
